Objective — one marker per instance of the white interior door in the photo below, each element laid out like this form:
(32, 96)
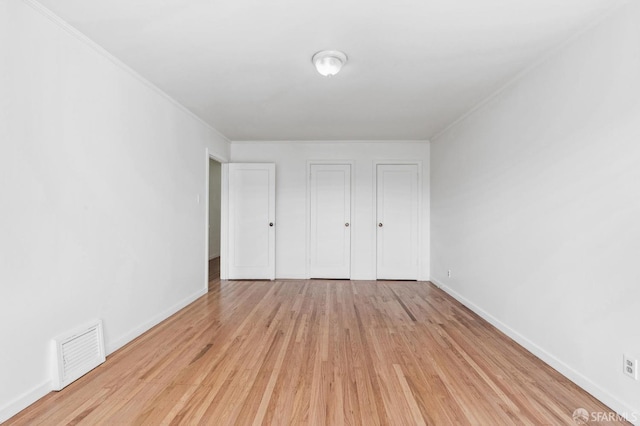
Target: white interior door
(397, 221)
(251, 221)
(330, 221)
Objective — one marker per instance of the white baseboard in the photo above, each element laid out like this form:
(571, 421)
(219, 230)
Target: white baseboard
(632, 414)
(363, 277)
(116, 344)
(213, 256)
(291, 277)
(24, 400)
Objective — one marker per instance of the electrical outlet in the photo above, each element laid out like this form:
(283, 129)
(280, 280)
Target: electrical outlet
(630, 366)
(449, 273)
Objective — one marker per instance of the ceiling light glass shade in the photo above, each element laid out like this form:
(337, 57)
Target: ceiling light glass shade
(329, 62)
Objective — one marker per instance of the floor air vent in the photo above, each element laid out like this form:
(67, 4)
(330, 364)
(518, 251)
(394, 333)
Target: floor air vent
(77, 353)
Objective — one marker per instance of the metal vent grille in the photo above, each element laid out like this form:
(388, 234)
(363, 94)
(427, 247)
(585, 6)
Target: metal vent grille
(77, 353)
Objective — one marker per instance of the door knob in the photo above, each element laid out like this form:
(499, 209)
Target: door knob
(346, 224)
(270, 223)
(380, 225)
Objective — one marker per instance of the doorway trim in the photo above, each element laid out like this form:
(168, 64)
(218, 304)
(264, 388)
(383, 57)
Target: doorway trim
(374, 218)
(352, 222)
(223, 254)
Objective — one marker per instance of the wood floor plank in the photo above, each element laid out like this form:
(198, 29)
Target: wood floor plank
(315, 353)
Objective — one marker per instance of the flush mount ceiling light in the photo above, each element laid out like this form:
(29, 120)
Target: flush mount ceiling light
(329, 62)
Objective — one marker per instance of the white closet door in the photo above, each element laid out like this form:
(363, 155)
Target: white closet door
(397, 221)
(330, 221)
(251, 221)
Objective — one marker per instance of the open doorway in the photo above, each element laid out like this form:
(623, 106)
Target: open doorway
(215, 175)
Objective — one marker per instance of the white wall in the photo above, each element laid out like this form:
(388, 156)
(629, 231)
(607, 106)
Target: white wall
(291, 196)
(536, 209)
(100, 175)
(214, 208)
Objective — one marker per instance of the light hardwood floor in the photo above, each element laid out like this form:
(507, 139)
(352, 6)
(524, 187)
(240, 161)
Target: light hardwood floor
(318, 352)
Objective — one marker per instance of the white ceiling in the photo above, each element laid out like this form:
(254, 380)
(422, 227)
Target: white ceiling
(244, 66)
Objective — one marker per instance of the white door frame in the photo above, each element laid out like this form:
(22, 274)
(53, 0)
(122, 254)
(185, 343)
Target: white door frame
(224, 223)
(418, 163)
(223, 216)
(308, 210)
